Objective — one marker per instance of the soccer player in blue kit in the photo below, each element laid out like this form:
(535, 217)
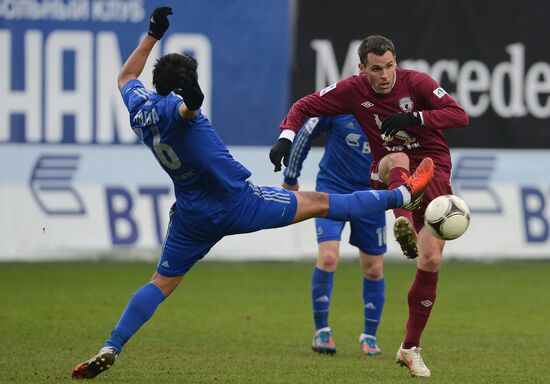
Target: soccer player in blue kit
(341, 170)
(213, 195)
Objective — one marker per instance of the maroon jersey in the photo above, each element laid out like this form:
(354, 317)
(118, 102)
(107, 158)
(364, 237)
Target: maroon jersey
(412, 90)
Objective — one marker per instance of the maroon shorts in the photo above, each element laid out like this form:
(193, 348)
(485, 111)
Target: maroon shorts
(437, 188)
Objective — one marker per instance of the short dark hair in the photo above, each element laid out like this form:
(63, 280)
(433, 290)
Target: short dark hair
(376, 44)
(173, 70)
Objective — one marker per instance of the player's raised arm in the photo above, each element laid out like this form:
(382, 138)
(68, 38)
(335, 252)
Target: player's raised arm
(132, 68)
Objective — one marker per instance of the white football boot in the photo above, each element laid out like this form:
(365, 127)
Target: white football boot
(411, 359)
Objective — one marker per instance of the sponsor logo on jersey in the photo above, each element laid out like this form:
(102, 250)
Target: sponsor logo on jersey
(327, 89)
(406, 104)
(439, 92)
(367, 104)
(353, 139)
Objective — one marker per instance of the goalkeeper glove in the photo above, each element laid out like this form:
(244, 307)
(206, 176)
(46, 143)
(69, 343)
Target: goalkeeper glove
(191, 94)
(398, 121)
(280, 150)
(158, 23)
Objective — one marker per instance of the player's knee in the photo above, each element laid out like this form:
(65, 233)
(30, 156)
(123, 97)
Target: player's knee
(373, 270)
(398, 159)
(321, 202)
(373, 273)
(166, 284)
(327, 261)
(311, 204)
(431, 259)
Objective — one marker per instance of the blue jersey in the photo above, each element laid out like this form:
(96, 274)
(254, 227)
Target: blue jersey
(203, 171)
(345, 166)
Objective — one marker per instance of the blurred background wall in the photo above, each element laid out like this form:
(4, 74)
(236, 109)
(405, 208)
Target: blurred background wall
(75, 183)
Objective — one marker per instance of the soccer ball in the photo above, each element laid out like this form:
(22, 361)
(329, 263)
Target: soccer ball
(447, 217)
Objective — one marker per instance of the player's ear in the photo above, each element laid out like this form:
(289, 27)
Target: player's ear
(362, 68)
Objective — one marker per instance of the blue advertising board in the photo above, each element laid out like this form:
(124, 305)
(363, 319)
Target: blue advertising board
(60, 60)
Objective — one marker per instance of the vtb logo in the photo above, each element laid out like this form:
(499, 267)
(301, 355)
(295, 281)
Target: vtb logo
(51, 185)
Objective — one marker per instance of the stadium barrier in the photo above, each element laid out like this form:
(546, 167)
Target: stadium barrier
(69, 202)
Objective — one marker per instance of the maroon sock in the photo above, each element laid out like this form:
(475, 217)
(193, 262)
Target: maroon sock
(421, 299)
(394, 177)
(395, 181)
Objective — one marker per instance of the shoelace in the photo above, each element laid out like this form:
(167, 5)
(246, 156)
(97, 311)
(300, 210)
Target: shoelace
(324, 337)
(405, 178)
(372, 343)
(108, 350)
(409, 181)
(415, 354)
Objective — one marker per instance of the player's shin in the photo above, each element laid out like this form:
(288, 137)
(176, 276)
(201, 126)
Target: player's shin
(321, 291)
(374, 296)
(140, 308)
(421, 299)
(345, 207)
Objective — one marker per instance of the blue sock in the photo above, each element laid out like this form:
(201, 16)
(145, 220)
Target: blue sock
(321, 291)
(140, 308)
(362, 203)
(374, 296)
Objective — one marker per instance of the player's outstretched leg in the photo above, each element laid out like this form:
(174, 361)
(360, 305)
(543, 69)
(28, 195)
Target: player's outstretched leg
(323, 342)
(95, 365)
(417, 184)
(412, 359)
(346, 207)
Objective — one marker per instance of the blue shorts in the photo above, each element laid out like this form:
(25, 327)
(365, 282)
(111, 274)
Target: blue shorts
(191, 235)
(367, 234)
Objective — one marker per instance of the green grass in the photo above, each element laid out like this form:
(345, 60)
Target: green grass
(251, 323)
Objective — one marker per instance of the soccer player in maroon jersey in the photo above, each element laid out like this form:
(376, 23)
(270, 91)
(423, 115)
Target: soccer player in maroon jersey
(403, 113)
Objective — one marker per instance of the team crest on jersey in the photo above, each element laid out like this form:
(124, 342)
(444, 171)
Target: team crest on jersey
(439, 92)
(327, 89)
(406, 104)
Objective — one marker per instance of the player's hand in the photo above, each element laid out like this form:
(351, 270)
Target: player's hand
(280, 151)
(291, 187)
(158, 23)
(398, 121)
(191, 93)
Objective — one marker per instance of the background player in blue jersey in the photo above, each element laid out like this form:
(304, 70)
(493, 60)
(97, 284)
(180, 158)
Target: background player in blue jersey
(341, 170)
(213, 195)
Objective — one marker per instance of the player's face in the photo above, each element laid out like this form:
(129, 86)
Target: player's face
(380, 71)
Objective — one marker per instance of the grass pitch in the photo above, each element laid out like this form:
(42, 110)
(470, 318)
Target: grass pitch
(252, 323)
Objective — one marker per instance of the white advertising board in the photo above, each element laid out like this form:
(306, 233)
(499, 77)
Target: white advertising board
(81, 202)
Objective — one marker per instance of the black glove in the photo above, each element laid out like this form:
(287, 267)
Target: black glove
(280, 150)
(396, 122)
(158, 23)
(191, 94)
